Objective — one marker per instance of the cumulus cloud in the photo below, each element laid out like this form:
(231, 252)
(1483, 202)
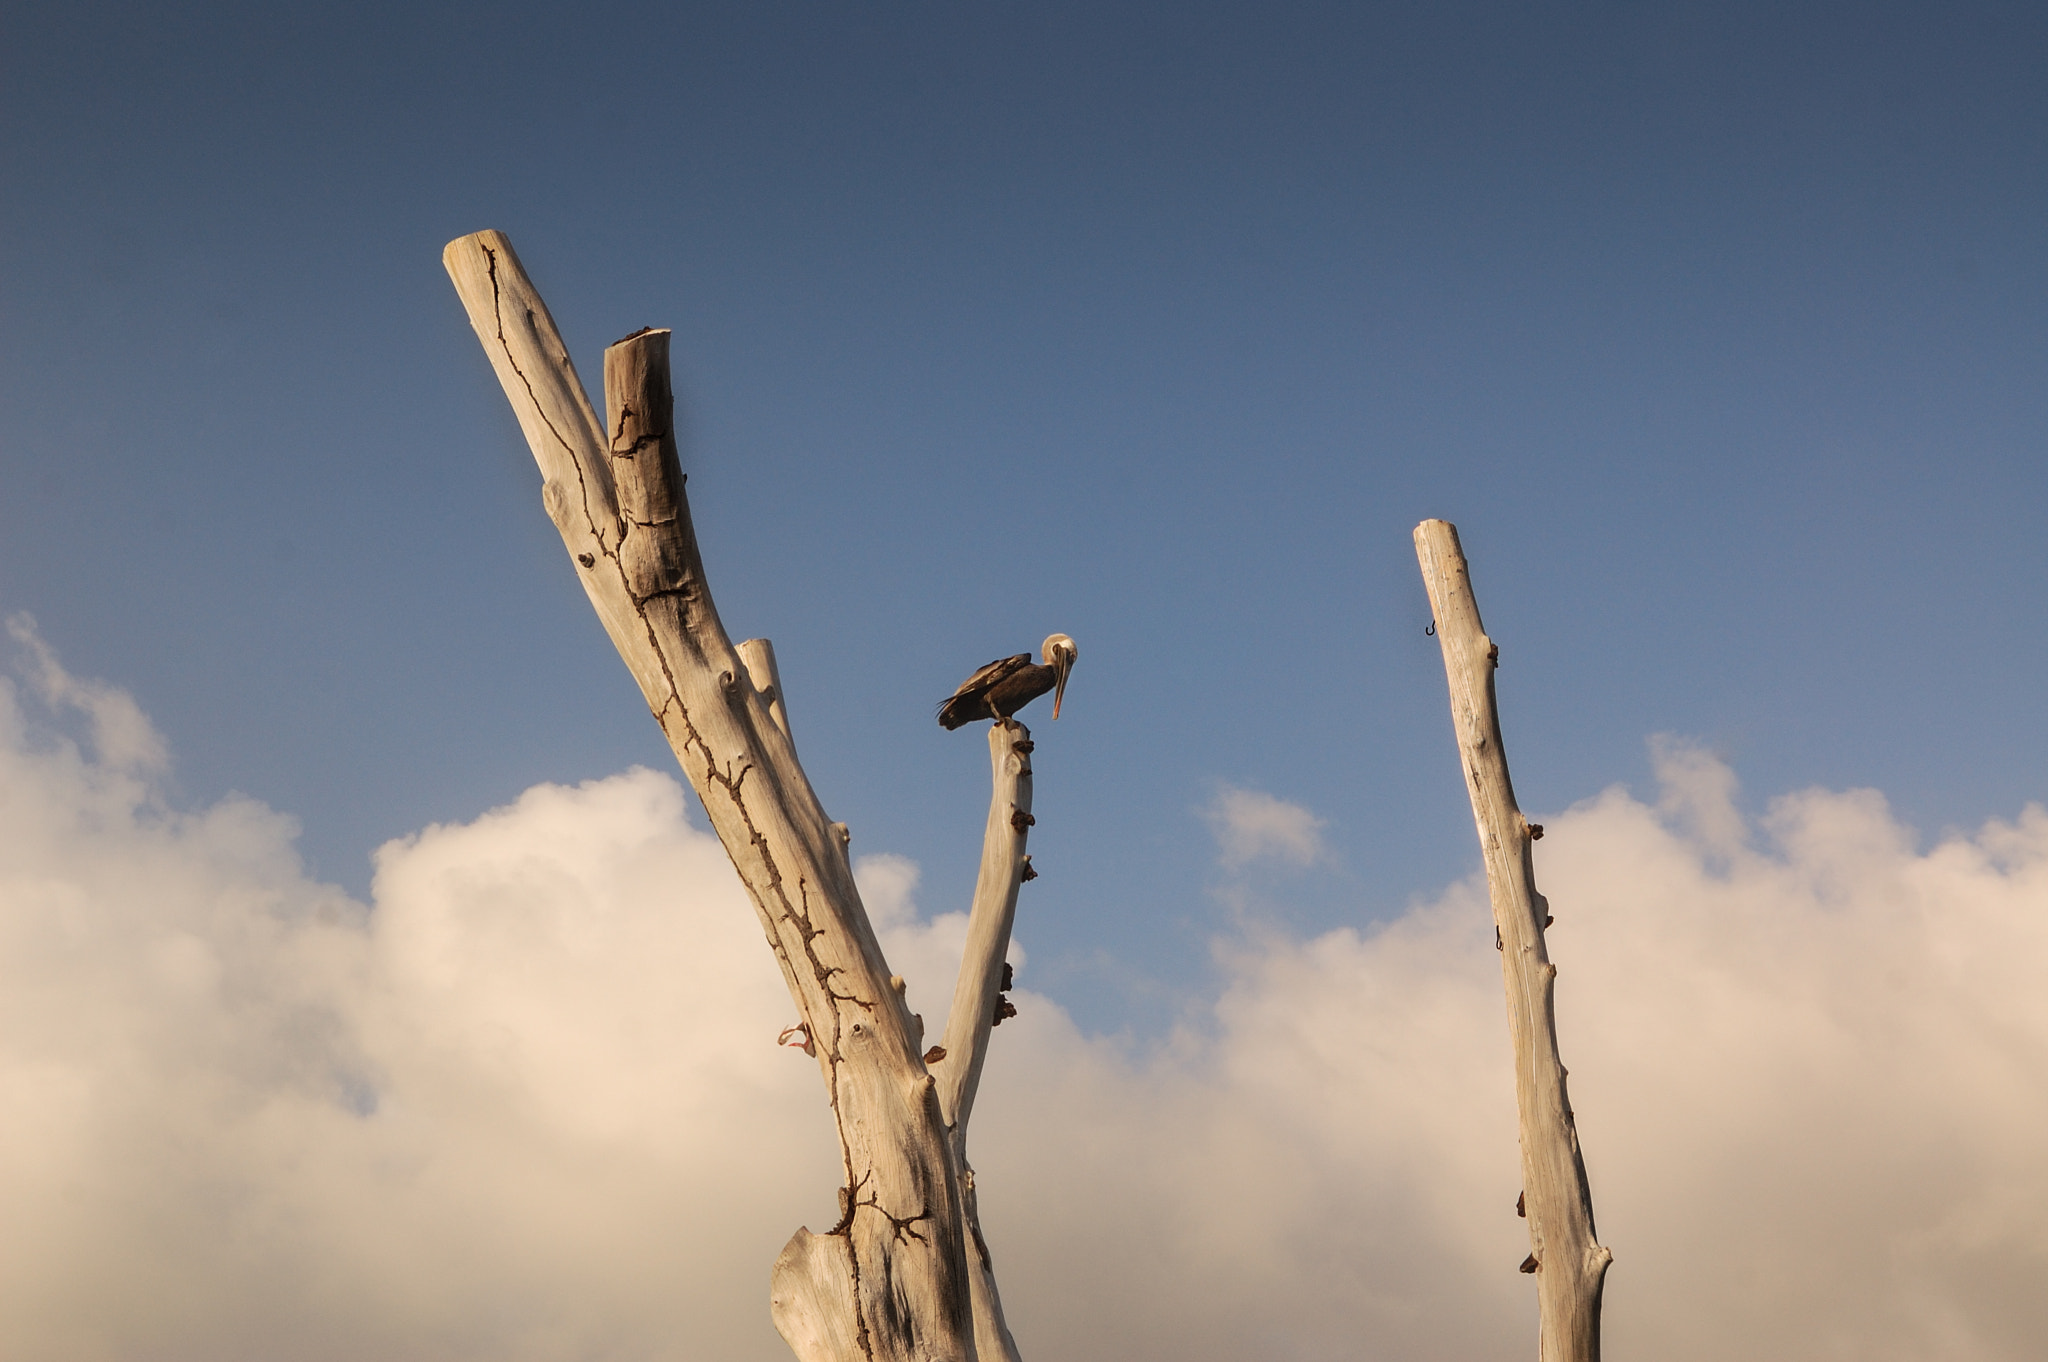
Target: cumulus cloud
(494, 1115)
(527, 1103)
(1251, 825)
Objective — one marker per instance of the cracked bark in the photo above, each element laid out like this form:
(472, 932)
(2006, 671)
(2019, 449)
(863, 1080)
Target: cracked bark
(1569, 1264)
(891, 1281)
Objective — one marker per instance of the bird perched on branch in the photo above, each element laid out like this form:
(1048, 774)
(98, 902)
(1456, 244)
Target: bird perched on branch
(1008, 684)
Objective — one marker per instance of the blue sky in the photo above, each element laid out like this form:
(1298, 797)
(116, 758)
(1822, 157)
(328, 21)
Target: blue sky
(1718, 330)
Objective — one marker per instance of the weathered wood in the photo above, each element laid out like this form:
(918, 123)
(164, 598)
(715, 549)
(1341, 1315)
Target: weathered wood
(989, 922)
(759, 655)
(890, 1280)
(975, 995)
(1570, 1265)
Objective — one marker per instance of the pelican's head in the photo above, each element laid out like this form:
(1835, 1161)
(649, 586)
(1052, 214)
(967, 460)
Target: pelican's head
(1059, 653)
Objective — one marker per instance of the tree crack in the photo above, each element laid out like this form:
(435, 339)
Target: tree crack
(582, 485)
(799, 930)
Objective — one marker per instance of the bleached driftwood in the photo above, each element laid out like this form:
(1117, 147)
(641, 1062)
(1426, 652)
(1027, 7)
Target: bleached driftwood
(890, 1281)
(1570, 1265)
(976, 996)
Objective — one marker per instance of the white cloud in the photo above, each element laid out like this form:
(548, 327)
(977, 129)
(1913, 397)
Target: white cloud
(926, 953)
(1250, 825)
(527, 1104)
(120, 734)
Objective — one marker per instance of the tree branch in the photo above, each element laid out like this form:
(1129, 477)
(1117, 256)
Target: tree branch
(1569, 1264)
(975, 996)
(988, 923)
(868, 1289)
(759, 655)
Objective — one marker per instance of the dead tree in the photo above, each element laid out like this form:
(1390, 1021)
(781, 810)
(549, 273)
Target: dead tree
(1570, 1265)
(904, 1276)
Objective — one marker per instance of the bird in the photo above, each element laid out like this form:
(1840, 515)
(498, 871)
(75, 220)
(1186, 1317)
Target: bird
(1007, 684)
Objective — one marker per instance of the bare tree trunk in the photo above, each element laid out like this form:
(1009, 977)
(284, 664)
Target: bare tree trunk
(890, 1281)
(976, 996)
(1569, 1264)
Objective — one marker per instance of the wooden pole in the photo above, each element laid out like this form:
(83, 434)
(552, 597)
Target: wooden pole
(976, 995)
(889, 1282)
(1570, 1265)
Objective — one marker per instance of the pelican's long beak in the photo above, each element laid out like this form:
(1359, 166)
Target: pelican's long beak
(1062, 663)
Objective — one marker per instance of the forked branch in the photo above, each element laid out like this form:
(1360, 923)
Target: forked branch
(865, 1289)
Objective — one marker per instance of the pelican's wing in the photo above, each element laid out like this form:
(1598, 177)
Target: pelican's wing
(988, 675)
(967, 704)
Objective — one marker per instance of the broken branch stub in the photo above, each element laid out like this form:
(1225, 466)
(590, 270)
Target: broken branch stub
(889, 1281)
(1569, 1264)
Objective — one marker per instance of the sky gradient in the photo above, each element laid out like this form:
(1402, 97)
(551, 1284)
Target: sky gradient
(1717, 330)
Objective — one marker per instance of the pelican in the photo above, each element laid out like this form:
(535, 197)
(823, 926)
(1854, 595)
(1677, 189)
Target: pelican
(1008, 684)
